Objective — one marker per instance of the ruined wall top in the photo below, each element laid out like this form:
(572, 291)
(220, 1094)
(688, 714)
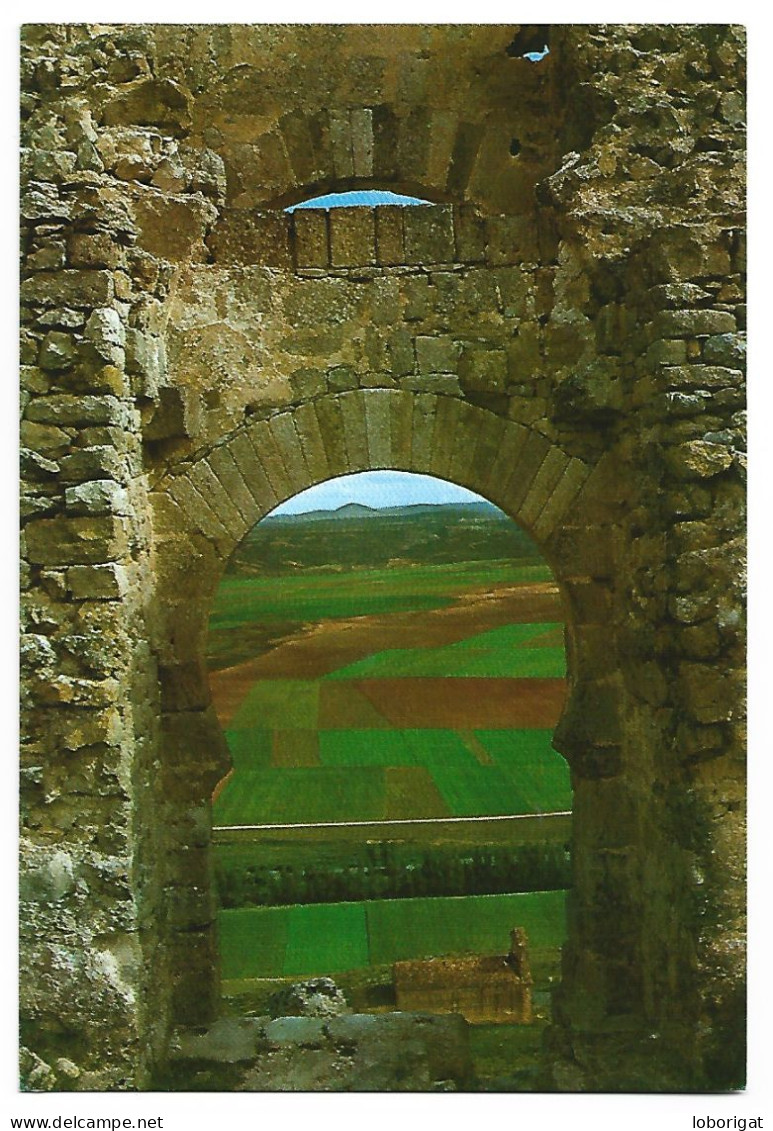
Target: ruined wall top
(294, 108)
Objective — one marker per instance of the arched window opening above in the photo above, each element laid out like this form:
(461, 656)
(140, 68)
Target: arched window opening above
(359, 198)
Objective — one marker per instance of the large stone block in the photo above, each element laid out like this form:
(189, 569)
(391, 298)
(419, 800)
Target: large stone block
(471, 423)
(340, 128)
(429, 234)
(506, 458)
(44, 438)
(726, 349)
(178, 413)
(401, 414)
(482, 369)
(80, 289)
(592, 720)
(200, 515)
(298, 133)
(523, 472)
(469, 234)
(437, 354)
(710, 694)
(270, 459)
(449, 411)
(352, 237)
(559, 503)
(712, 377)
(63, 409)
(109, 582)
(65, 541)
(692, 323)
(174, 228)
(361, 120)
(698, 459)
(97, 496)
(92, 250)
(206, 481)
(390, 240)
(511, 240)
(288, 444)
(151, 102)
(193, 739)
(246, 237)
(312, 240)
(463, 155)
(72, 727)
(57, 352)
(489, 442)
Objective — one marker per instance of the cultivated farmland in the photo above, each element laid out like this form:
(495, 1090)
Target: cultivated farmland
(388, 688)
(330, 938)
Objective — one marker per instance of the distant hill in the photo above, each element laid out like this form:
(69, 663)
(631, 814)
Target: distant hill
(353, 510)
(355, 536)
(414, 510)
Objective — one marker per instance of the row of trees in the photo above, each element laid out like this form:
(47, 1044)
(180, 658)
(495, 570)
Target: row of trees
(389, 870)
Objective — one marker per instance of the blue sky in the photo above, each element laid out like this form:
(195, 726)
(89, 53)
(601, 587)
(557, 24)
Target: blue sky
(358, 198)
(377, 489)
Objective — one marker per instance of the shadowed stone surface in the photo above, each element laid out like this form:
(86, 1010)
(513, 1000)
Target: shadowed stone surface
(360, 1052)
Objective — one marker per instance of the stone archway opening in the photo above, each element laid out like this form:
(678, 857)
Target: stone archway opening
(203, 513)
(386, 658)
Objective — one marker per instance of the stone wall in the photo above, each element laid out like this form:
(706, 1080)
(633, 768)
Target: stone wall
(562, 331)
(353, 1052)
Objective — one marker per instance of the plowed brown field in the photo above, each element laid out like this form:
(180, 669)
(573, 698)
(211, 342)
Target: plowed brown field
(465, 704)
(328, 645)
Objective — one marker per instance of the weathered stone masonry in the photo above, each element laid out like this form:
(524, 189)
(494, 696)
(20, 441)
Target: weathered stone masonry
(561, 331)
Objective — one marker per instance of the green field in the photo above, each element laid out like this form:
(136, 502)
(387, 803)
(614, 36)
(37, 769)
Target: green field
(419, 728)
(311, 595)
(358, 773)
(265, 942)
(506, 652)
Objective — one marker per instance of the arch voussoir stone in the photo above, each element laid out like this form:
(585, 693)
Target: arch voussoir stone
(252, 472)
(269, 456)
(330, 420)
(198, 512)
(422, 429)
(541, 487)
(213, 491)
(282, 428)
(561, 498)
(312, 442)
(529, 457)
(447, 416)
(226, 470)
(470, 424)
(401, 427)
(355, 429)
(378, 427)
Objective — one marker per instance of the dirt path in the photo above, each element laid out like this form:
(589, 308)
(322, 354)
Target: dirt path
(324, 647)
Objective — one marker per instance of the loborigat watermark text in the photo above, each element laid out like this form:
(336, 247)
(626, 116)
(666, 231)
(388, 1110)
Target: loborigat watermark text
(726, 1122)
